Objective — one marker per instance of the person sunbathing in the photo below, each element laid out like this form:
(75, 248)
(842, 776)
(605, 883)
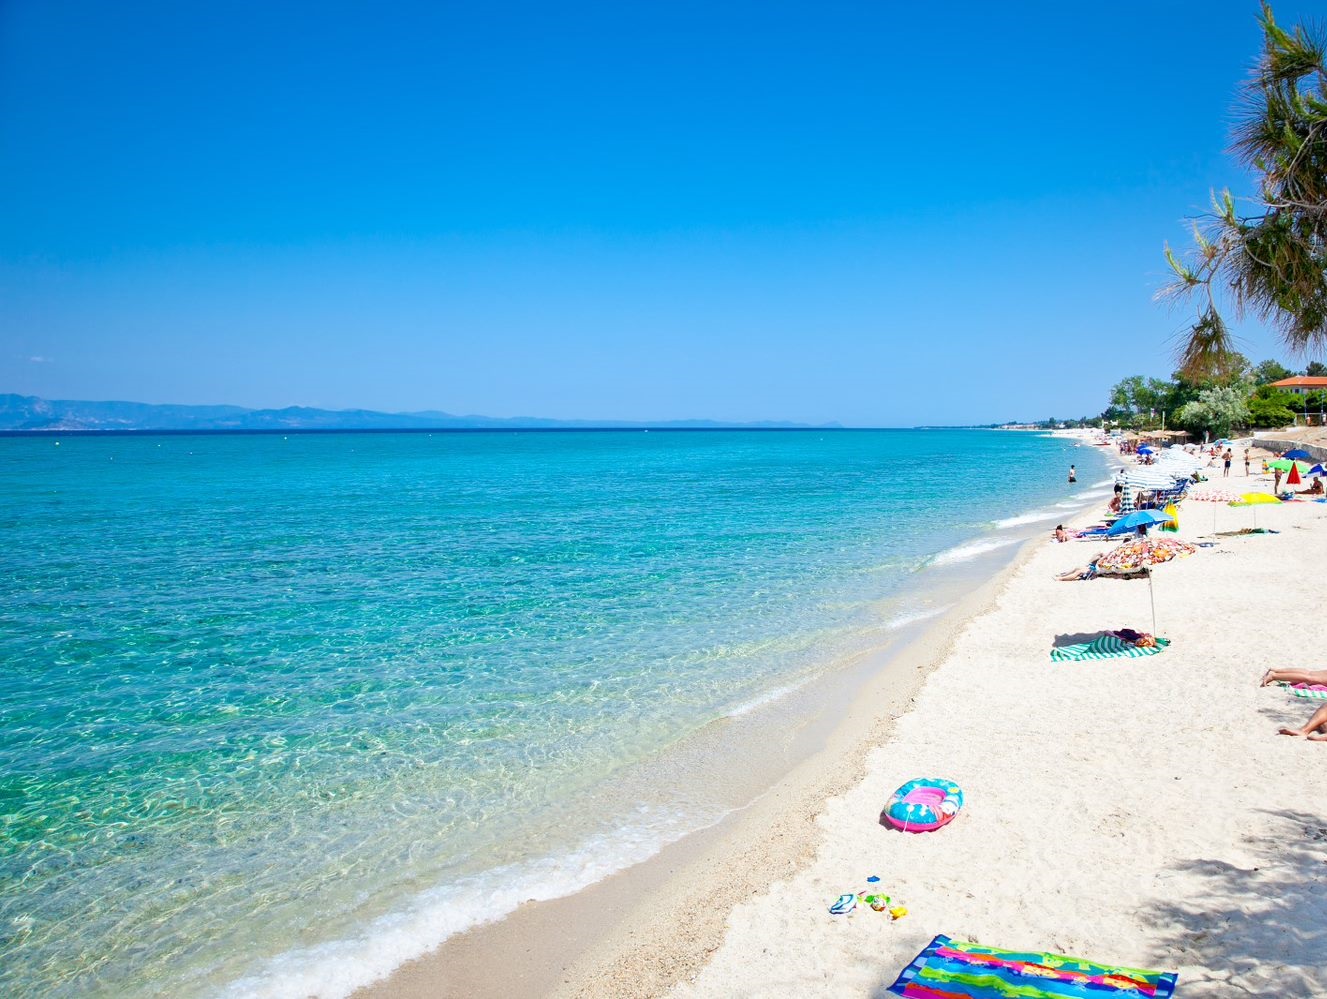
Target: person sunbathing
(1317, 723)
(1088, 571)
(1316, 677)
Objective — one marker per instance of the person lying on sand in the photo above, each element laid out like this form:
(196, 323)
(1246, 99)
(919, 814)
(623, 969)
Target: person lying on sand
(1317, 723)
(1088, 571)
(1309, 676)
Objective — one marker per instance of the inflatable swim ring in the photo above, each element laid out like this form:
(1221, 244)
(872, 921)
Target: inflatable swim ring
(924, 804)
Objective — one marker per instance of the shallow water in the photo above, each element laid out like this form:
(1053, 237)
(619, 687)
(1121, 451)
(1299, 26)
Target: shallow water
(271, 704)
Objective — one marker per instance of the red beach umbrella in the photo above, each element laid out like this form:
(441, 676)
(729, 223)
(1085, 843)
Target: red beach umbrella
(1293, 478)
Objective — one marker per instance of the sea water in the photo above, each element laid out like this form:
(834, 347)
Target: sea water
(278, 713)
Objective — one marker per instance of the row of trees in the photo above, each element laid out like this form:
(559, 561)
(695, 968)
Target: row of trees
(1240, 396)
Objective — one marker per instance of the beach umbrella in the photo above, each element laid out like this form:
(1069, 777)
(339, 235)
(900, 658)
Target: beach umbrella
(1173, 524)
(1298, 453)
(1255, 500)
(1317, 470)
(1144, 554)
(1285, 465)
(1135, 520)
(1151, 478)
(1145, 450)
(1293, 478)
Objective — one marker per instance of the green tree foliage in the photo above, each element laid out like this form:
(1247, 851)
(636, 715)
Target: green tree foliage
(1273, 262)
(1269, 412)
(1139, 401)
(1316, 369)
(1216, 410)
(1270, 371)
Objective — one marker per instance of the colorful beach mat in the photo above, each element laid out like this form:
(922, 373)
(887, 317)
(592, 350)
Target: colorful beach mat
(955, 969)
(1104, 647)
(1314, 690)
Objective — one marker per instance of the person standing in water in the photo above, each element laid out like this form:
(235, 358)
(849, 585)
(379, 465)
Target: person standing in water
(1073, 475)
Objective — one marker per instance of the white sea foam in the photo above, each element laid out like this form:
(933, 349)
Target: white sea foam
(912, 617)
(769, 697)
(972, 549)
(1033, 517)
(336, 969)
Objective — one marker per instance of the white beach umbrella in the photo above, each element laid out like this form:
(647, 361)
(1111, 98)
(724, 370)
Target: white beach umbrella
(1181, 460)
(1151, 478)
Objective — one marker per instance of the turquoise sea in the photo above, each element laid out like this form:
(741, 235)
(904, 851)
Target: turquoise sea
(277, 713)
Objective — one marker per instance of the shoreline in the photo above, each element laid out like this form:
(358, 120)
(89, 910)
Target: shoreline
(590, 942)
(1141, 812)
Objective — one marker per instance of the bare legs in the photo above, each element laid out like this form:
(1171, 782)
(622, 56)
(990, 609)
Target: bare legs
(1318, 676)
(1314, 729)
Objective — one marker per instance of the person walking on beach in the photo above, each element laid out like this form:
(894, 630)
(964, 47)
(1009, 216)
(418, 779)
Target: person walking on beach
(1073, 475)
(1226, 458)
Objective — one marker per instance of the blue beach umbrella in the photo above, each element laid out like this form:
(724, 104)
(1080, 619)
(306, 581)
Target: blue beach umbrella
(1317, 470)
(1299, 454)
(1145, 450)
(1135, 520)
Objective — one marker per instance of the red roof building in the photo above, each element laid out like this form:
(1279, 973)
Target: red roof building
(1302, 384)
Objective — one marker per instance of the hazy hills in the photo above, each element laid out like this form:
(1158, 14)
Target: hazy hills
(31, 413)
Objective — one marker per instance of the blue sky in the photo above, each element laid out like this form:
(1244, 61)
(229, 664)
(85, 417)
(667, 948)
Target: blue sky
(881, 214)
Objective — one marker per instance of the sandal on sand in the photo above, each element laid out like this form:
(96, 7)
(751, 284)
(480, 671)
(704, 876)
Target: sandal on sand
(844, 905)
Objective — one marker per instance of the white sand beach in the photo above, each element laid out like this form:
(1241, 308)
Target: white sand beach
(1139, 812)
(1142, 812)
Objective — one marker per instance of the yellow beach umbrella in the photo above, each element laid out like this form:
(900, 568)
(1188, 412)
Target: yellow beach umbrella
(1173, 513)
(1255, 500)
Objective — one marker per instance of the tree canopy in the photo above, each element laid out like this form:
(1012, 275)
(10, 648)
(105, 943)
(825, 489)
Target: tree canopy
(1272, 262)
(1270, 371)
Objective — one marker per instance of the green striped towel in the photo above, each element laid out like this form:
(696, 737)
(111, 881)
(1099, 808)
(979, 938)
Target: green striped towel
(1317, 693)
(1104, 647)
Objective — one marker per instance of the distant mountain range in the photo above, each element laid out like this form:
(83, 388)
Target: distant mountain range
(30, 413)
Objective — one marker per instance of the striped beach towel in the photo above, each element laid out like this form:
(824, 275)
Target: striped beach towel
(1314, 690)
(1104, 647)
(955, 969)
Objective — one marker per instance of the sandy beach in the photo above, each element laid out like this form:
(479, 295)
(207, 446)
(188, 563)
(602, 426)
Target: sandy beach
(1136, 812)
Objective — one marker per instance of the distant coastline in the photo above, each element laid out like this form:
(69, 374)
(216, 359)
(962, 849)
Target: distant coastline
(20, 414)
(590, 428)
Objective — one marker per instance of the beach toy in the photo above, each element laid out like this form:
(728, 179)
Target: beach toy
(898, 912)
(844, 905)
(924, 804)
(877, 902)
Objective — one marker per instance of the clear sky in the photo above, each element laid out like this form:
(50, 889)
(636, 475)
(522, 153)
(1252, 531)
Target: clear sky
(877, 213)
